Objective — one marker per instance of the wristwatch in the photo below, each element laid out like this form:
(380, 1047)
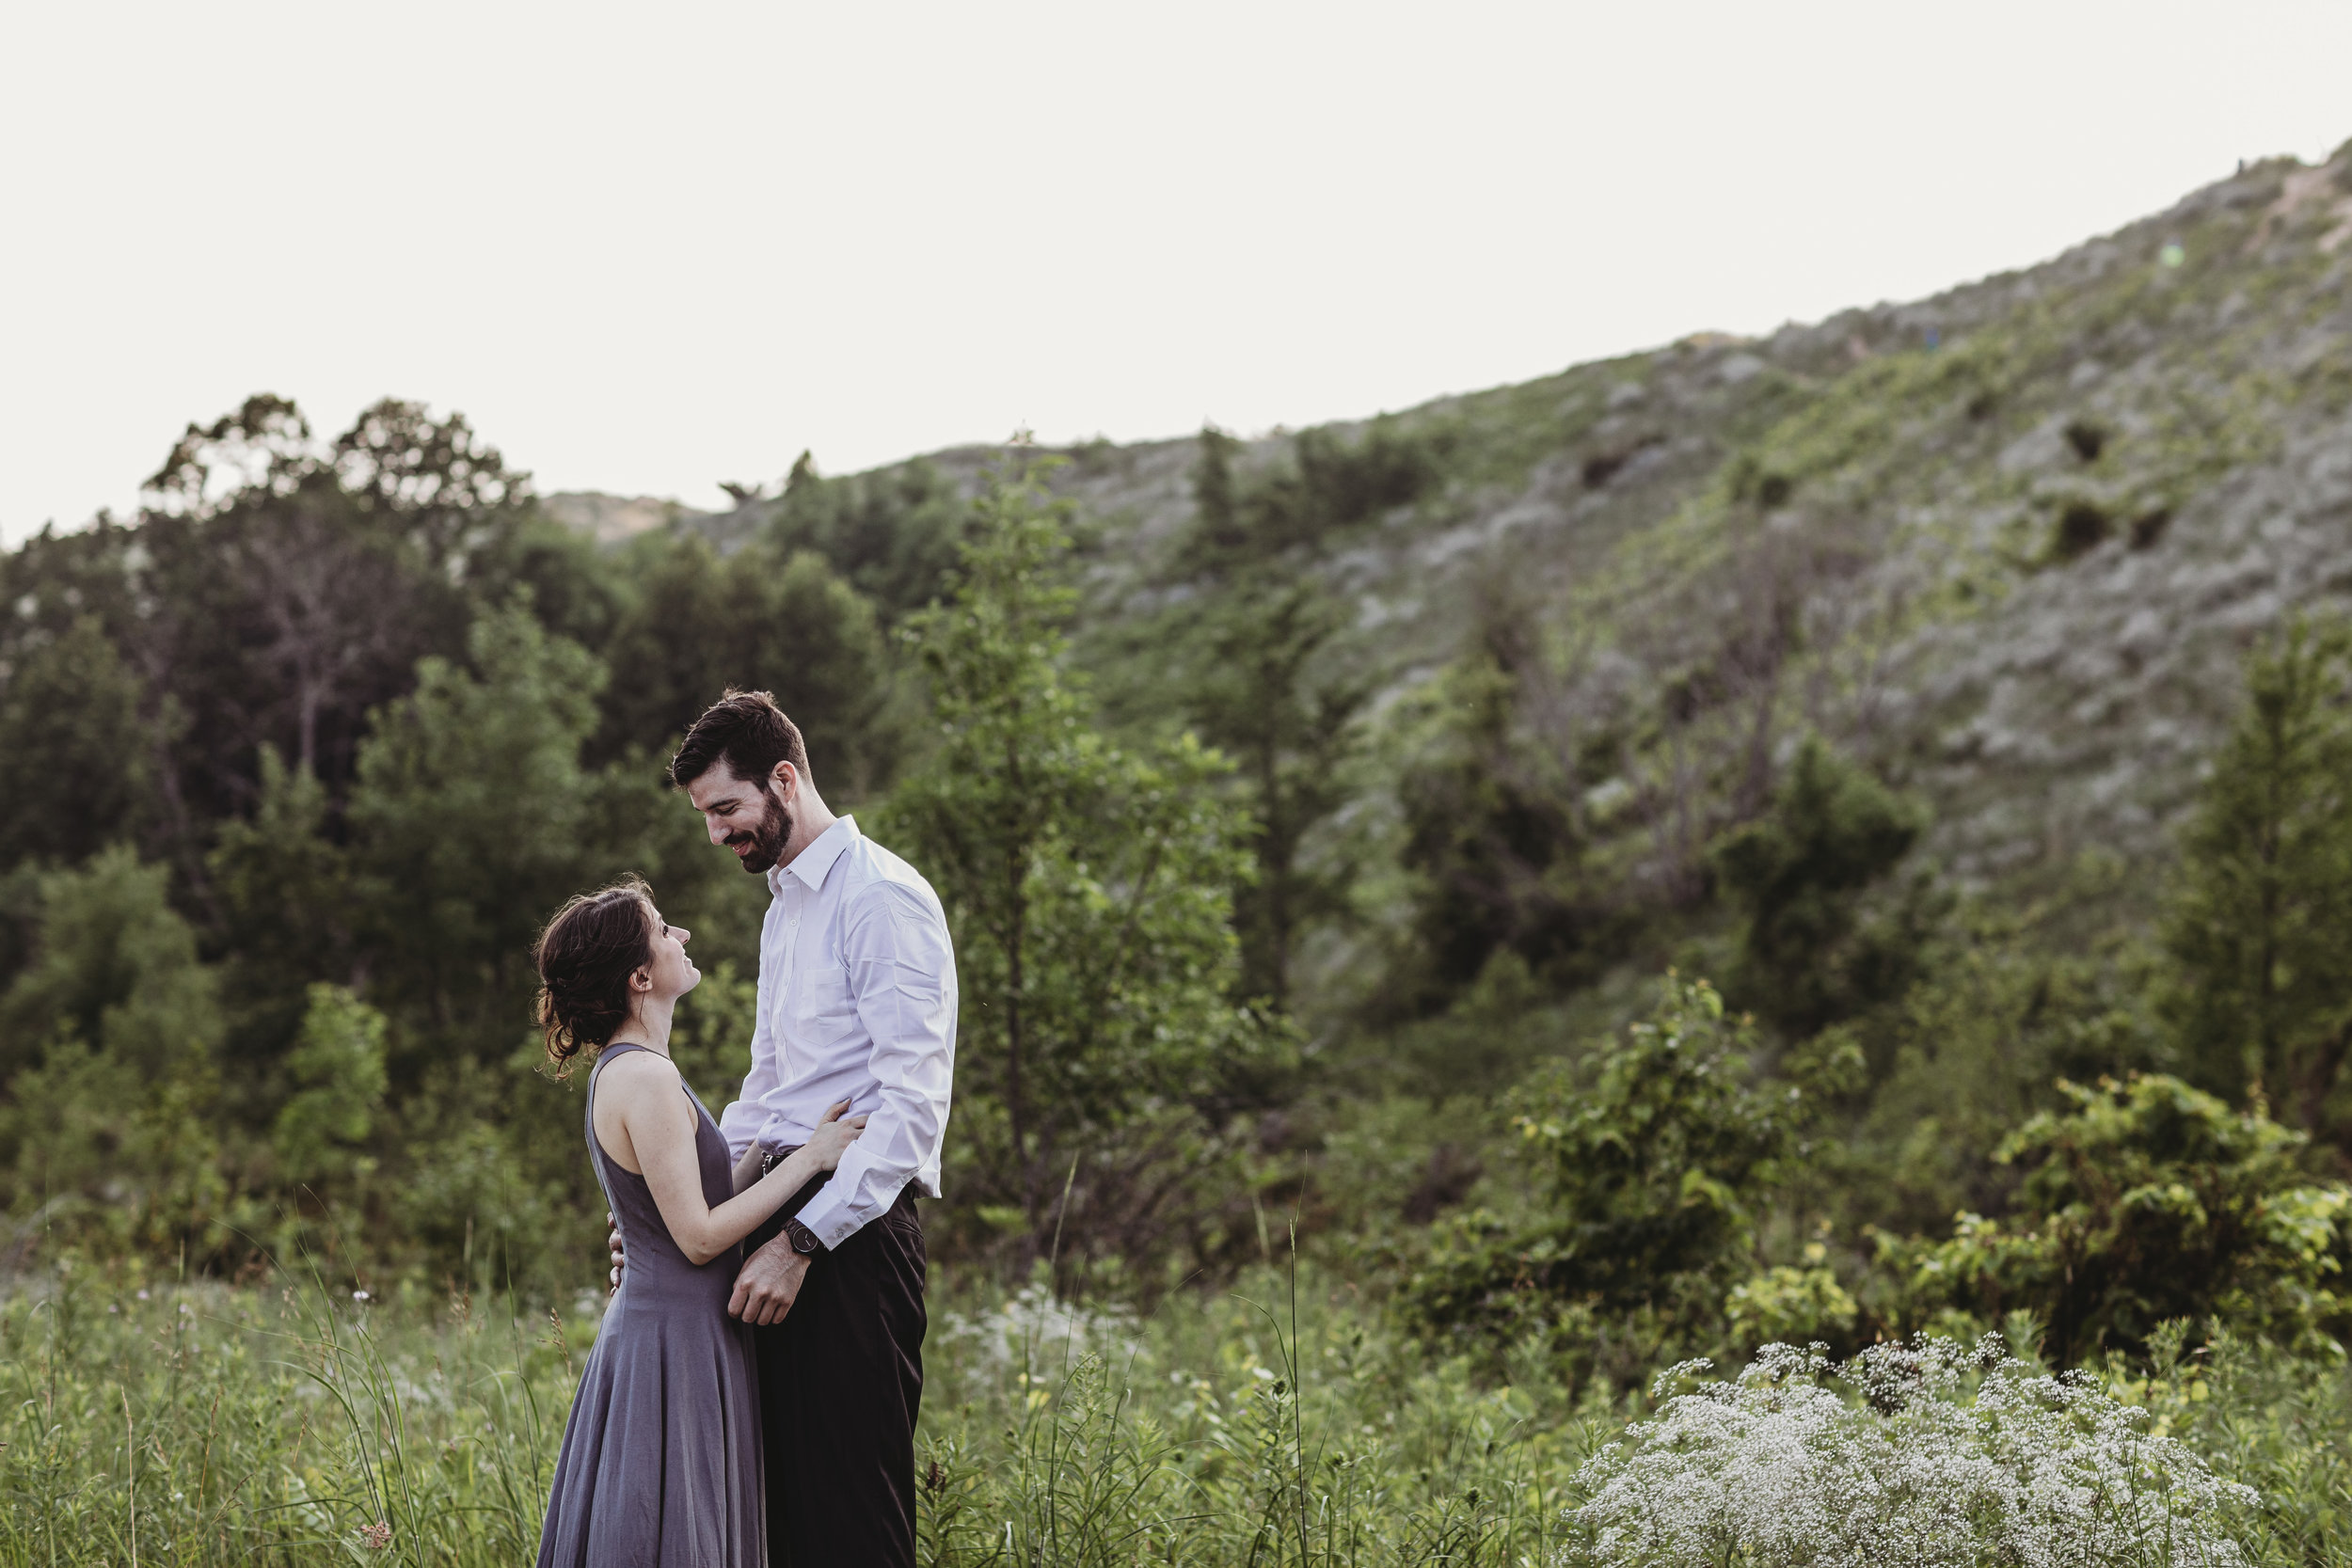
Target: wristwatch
(802, 1237)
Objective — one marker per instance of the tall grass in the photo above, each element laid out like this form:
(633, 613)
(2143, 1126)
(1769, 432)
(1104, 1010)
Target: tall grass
(194, 1424)
(1279, 1425)
(1274, 1426)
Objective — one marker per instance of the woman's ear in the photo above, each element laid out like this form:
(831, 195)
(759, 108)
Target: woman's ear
(640, 978)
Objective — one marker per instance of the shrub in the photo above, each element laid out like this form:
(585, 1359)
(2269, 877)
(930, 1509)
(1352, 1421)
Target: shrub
(1647, 1165)
(2145, 1201)
(2083, 526)
(2089, 439)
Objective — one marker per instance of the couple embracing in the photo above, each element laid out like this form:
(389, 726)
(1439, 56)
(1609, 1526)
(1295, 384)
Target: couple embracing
(753, 1392)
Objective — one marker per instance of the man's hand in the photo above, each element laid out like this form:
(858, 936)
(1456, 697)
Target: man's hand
(614, 1242)
(769, 1284)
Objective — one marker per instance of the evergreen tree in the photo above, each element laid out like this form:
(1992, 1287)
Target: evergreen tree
(1808, 957)
(2261, 921)
(1262, 695)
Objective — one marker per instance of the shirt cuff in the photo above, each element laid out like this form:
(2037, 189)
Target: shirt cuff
(830, 1216)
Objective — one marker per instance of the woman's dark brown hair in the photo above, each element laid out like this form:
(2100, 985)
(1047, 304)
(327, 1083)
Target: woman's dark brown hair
(585, 957)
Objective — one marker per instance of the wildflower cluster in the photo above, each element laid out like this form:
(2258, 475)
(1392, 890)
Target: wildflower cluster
(1931, 1455)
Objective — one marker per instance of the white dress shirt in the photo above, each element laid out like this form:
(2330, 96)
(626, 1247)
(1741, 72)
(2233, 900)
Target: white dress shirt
(857, 1001)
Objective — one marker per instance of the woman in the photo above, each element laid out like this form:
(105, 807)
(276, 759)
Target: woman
(662, 1457)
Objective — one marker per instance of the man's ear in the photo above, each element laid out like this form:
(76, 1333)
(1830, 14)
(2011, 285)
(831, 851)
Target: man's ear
(784, 779)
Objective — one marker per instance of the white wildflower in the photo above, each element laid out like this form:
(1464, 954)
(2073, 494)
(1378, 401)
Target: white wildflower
(1920, 1468)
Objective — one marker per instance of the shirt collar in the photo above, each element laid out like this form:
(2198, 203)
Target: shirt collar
(811, 865)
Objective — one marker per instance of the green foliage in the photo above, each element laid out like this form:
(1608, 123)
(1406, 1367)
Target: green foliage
(1330, 485)
(758, 622)
(109, 1136)
(299, 582)
(1806, 957)
(289, 914)
(2259, 926)
(2006, 1007)
(115, 967)
(337, 1069)
(1647, 1165)
(1088, 888)
(1487, 1038)
(76, 760)
(1494, 845)
(2145, 1201)
(472, 810)
(1786, 1305)
(893, 534)
(1264, 693)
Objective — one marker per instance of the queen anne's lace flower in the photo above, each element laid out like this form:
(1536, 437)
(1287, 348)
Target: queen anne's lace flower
(1942, 1457)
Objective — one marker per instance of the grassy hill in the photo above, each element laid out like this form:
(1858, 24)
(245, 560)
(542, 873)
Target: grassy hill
(2006, 544)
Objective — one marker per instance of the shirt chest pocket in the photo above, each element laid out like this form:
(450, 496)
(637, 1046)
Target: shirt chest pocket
(821, 1007)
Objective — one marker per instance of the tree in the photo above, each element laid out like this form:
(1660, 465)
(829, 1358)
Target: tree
(296, 583)
(2260, 923)
(892, 533)
(1259, 695)
(1088, 888)
(695, 625)
(1329, 484)
(106, 1042)
(76, 759)
(290, 910)
(338, 1072)
(1219, 534)
(473, 818)
(1806, 956)
(115, 967)
(1492, 839)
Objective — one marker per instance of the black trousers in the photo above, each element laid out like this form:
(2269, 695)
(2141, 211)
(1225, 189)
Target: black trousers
(840, 1384)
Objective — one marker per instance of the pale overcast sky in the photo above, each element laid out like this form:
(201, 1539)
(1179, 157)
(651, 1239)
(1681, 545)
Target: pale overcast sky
(647, 249)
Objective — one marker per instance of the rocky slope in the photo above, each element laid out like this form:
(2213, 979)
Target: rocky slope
(2009, 542)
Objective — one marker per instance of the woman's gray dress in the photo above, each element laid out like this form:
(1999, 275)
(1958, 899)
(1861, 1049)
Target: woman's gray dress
(662, 1457)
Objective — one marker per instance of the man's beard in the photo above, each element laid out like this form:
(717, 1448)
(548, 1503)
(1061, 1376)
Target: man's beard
(767, 839)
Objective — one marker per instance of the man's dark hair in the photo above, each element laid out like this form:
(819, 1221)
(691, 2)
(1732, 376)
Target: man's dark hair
(748, 731)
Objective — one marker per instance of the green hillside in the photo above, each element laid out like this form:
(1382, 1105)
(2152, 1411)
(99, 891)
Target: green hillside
(2006, 546)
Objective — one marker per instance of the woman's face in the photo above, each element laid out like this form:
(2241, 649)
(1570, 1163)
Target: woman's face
(672, 972)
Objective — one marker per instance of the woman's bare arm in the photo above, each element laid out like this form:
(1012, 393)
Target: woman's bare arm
(657, 1124)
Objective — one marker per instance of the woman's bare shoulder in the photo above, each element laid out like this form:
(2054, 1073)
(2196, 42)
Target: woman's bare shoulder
(638, 1073)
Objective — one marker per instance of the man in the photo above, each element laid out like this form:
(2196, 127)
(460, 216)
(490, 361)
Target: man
(857, 1001)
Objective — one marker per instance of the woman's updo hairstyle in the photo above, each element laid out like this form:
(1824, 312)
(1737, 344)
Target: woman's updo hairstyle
(585, 957)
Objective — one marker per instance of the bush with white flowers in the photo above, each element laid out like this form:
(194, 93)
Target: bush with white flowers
(1910, 1456)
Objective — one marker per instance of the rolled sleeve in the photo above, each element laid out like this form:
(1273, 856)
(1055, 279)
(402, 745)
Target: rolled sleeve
(901, 969)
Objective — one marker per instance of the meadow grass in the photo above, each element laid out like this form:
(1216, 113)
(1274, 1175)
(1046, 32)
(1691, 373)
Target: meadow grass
(1277, 1423)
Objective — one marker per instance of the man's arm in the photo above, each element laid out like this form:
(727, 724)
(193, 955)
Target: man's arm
(903, 971)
